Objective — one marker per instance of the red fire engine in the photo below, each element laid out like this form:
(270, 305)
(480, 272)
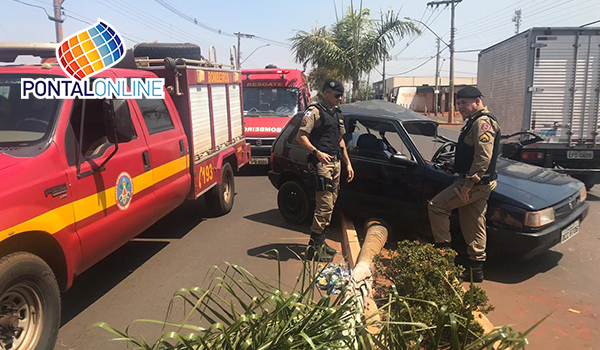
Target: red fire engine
(81, 177)
(271, 97)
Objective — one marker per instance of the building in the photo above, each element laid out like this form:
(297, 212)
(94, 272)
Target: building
(417, 93)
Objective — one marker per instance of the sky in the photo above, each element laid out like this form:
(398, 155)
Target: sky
(479, 24)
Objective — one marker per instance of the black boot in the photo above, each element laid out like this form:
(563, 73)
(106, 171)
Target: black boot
(328, 249)
(442, 245)
(317, 248)
(476, 268)
(462, 260)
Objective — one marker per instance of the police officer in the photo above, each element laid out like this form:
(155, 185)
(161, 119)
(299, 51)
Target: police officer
(476, 153)
(320, 133)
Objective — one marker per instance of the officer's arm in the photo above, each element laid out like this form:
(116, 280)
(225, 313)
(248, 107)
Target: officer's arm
(306, 126)
(483, 141)
(302, 138)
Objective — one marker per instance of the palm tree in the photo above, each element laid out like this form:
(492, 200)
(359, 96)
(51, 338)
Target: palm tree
(354, 45)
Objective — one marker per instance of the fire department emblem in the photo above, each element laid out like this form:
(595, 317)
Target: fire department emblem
(259, 142)
(124, 190)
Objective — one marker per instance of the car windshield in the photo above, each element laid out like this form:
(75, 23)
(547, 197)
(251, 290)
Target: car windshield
(23, 121)
(270, 102)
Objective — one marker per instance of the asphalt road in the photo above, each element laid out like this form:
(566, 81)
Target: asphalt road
(139, 280)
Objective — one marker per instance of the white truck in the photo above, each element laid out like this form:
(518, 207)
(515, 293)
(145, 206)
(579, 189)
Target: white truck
(543, 85)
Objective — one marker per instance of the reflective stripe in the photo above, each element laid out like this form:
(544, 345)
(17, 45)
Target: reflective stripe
(57, 219)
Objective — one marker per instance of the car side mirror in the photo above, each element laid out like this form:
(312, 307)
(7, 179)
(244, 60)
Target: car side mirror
(402, 160)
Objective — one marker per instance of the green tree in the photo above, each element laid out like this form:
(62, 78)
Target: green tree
(353, 45)
(318, 76)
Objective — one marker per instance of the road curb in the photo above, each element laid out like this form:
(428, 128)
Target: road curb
(351, 250)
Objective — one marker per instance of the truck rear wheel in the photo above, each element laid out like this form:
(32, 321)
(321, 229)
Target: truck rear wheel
(293, 203)
(220, 198)
(29, 303)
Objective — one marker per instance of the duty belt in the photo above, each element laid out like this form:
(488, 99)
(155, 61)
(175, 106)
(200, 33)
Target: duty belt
(485, 180)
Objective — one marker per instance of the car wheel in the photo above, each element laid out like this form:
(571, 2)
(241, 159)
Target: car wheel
(29, 303)
(293, 203)
(220, 198)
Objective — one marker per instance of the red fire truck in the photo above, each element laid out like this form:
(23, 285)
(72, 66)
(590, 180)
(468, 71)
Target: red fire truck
(81, 177)
(271, 97)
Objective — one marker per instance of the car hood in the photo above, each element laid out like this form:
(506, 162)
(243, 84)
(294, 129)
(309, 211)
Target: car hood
(531, 187)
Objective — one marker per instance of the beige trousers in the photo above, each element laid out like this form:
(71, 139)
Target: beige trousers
(471, 214)
(325, 200)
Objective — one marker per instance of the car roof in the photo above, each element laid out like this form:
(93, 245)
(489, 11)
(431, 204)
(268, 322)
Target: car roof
(381, 110)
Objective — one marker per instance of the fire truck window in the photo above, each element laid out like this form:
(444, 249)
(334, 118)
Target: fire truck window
(269, 102)
(95, 130)
(156, 115)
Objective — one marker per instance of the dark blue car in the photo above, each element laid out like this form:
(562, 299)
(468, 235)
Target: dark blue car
(399, 158)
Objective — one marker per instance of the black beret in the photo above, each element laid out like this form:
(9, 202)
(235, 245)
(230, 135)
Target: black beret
(469, 92)
(333, 84)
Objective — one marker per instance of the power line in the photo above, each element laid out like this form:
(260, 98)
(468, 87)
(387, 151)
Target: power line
(420, 65)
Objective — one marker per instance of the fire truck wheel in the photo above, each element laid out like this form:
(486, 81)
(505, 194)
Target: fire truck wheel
(293, 203)
(29, 303)
(220, 198)
(163, 50)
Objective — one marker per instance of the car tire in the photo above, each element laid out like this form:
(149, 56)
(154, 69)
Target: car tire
(293, 203)
(28, 289)
(164, 50)
(220, 198)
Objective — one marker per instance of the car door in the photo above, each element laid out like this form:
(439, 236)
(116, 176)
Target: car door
(382, 189)
(167, 156)
(115, 203)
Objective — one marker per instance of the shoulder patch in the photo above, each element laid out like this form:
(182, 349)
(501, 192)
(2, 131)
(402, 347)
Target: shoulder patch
(485, 127)
(308, 113)
(484, 138)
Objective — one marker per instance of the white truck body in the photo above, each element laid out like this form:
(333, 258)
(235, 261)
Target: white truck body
(547, 81)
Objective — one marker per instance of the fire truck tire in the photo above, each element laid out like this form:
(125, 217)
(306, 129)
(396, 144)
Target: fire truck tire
(293, 203)
(163, 50)
(29, 303)
(220, 198)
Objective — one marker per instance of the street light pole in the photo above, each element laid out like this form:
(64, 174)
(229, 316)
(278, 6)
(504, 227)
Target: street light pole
(247, 57)
(436, 93)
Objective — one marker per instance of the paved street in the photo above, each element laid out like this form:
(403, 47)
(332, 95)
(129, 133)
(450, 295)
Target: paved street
(139, 280)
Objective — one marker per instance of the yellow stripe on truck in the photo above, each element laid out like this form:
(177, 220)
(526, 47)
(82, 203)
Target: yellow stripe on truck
(57, 219)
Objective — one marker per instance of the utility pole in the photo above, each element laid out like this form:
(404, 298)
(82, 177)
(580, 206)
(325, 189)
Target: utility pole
(517, 19)
(239, 49)
(452, 4)
(383, 96)
(436, 93)
(58, 20)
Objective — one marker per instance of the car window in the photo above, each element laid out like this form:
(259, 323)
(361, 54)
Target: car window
(156, 115)
(96, 132)
(377, 140)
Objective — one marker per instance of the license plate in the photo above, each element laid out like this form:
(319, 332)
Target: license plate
(569, 232)
(259, 161)
(580, 155)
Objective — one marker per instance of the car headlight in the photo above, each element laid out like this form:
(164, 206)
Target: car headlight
(540, 218)
(582, 195)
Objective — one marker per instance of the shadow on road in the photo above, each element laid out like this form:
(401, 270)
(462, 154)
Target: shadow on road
(513, 270)
(273, 217)
(254, 170)
(592, 198)
(105, 275)
(109, 272)
(286, 251)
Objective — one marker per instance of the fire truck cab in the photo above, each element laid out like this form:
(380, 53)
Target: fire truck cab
(81, 177)
(271, 97)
